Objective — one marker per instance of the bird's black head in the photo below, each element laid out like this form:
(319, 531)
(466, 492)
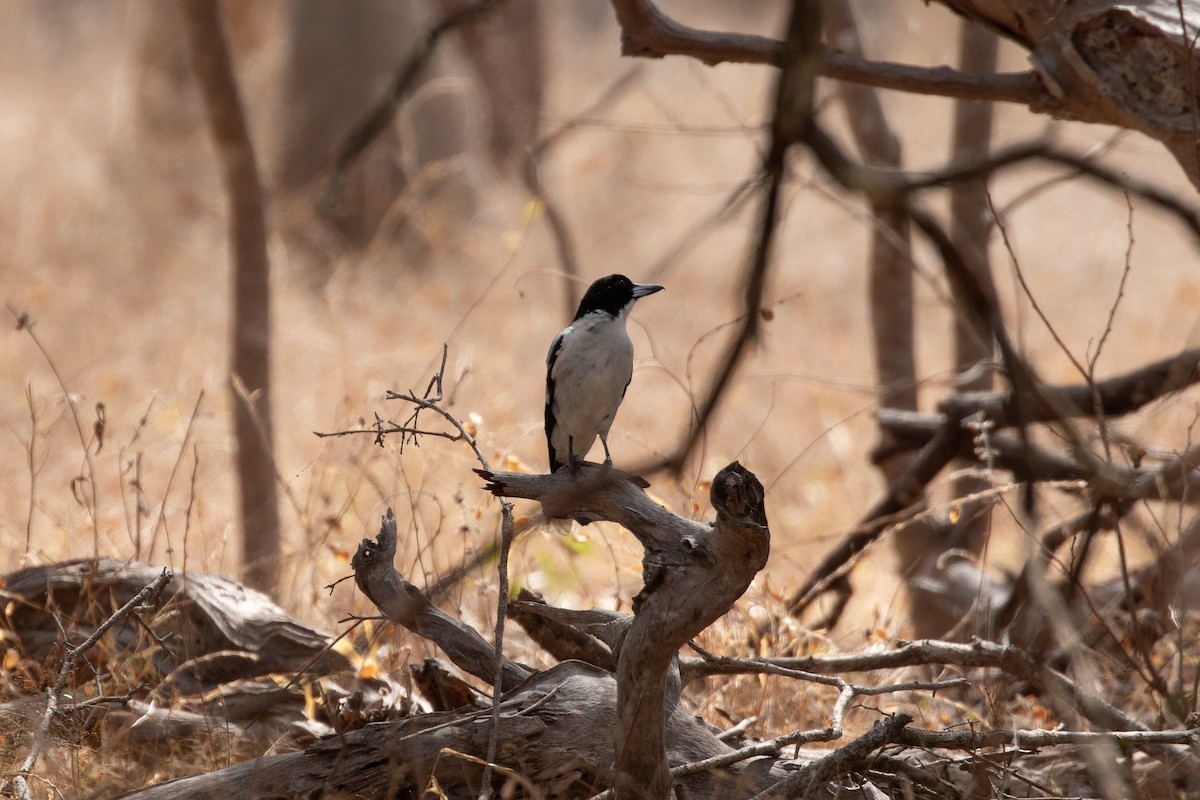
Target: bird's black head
(612, 294)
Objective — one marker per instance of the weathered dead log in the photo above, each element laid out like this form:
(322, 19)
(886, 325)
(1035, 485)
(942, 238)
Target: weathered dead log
(213, 629)
(693, 573)
(554, 735)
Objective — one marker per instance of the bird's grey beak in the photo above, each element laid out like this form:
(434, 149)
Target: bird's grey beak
(643, 289)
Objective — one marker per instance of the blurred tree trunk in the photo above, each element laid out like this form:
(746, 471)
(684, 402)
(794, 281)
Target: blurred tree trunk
(891, 297)
(337, 62)
(891, 281)
(506, 52)
(890, 267)
(942, 590)
(970, 230)
(252, 309)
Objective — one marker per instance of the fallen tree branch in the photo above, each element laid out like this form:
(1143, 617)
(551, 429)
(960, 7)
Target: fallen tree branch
(979, 653)
(850, 758)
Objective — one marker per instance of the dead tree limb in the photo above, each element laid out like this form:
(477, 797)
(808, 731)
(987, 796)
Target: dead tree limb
(1083, 67)
(693, 574)
(850, 758)
(403, 604)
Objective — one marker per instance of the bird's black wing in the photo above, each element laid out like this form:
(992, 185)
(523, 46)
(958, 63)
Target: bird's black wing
(555, 346)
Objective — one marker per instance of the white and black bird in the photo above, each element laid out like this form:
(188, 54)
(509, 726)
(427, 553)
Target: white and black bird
(588, 369)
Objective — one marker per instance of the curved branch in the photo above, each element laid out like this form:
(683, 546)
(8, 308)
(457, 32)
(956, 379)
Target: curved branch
(377, 120)
(646, 32)
(403, 604)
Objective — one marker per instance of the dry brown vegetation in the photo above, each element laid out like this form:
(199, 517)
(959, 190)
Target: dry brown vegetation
(115, 411)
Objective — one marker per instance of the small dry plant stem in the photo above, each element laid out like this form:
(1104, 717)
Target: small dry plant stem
(133, 464)
(25, 323)
(20, 784)
(410, 430)
(161, 519)
(31, 463)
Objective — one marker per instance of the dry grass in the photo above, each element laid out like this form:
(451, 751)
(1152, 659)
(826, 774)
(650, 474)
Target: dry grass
(114, 244)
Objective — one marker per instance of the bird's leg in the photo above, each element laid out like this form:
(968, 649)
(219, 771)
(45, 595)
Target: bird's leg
(607, 456)
(573, 460)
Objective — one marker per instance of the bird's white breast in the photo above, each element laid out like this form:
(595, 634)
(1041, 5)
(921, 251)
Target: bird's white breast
(593, 366)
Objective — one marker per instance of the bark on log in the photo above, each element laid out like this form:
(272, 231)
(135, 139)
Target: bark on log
(552, 736)
(218, 630)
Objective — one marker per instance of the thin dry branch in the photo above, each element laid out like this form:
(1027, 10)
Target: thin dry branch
(978, 653)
